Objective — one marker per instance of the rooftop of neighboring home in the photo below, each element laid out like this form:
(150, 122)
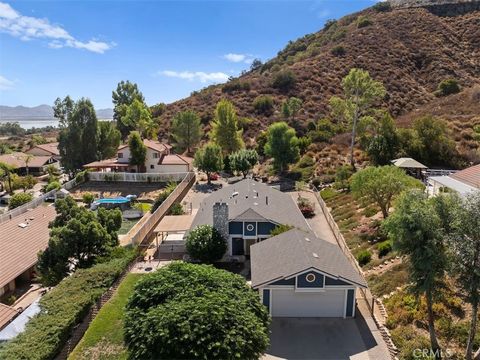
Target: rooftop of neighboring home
(152, 144)
(19, 159)
(51, 148)
(469, 176)
(171, 159)
(408, 163)
(7, 314)
(252, 200)
(463, 182)
(295, 251)
(21, 238)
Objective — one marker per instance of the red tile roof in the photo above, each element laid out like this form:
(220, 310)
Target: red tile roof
(469, 176)
(52, 148)
(152, 144)
(19, 246)
(174, 159)
(7, 314)
(18, 160)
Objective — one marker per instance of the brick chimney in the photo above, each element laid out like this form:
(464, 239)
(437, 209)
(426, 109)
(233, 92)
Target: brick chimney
(220, 218)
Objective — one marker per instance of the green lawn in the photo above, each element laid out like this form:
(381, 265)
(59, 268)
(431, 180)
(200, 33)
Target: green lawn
(104, 338)
(127, 224)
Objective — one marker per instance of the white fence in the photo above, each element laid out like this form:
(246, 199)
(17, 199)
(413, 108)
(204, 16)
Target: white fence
(136, 177)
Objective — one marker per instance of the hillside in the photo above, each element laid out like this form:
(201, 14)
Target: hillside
(410, 50)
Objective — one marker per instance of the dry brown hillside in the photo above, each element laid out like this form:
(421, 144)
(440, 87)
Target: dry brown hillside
(410, 50)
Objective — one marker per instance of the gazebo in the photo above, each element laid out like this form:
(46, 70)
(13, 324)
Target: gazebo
(411, 166)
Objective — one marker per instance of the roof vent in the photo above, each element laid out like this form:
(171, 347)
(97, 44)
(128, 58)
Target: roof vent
(23, 225)
(235, 194)
(315, 255)
(255, 203)
(307, 239)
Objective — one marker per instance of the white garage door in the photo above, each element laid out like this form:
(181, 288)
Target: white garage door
(288, 303)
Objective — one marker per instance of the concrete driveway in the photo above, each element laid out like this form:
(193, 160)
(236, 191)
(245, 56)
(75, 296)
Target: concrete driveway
(323, 338)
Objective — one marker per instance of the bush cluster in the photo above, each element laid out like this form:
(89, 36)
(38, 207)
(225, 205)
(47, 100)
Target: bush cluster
(384, 248)
(206, 244)
(338, 50)
(364, 257)
(62, 309)
(19, 199)
(448, 87)
(163, 196)
(263, 105)
(284, 81)
(236, 85)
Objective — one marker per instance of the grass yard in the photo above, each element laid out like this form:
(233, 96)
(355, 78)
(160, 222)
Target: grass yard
(127, 224)
(104, 338)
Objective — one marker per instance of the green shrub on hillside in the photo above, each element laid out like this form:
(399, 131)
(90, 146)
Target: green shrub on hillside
(338, 50)
(284, 81)
(448, 87)
(363, 21)
(382, 6)
(236, 85)
(62, 309)
(384, 248)
(364, 257)
(263, 105)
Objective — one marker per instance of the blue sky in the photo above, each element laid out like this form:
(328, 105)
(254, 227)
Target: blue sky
(169, 48)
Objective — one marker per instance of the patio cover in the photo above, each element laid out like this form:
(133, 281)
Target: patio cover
(458, 186)
(175, 223)
(408, 163)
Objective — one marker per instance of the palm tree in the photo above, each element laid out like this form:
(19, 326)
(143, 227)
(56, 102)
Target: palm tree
(7, 170)
(27, 159)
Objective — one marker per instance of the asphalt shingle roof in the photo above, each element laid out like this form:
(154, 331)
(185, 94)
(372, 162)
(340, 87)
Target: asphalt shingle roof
(469, 176)
(252, 200)
(408, 163)
(295, 251)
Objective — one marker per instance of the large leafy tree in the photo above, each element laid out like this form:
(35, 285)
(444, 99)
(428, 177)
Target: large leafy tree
(77, 237)
(138, 150)
(381, 141)
(417, 231)
(209, 159)
(188, 311)
(6, 172)
(108, 140)
(465, 246)
(243, 161)
(186, 130)
(382, 184)
(282, 145)
(77, 140)
(63, 109)
(361, 92)
(206, 244)
(138, 117)
(125, 94)
(225, 131)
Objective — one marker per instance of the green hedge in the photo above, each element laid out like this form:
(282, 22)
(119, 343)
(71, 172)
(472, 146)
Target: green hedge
(63, 308)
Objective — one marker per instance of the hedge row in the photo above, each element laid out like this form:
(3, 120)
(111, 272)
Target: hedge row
(62, 308)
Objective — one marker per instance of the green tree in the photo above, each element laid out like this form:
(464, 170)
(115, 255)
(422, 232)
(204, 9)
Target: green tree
(263, 104)
(225, 132)
(138, 150)
(19, 199)
(291, 107)
(361, 92)
(207, 313)
(78, 134)
(138, 117)
(108, 140)
(206, 244)
(416, 230)
(282, 145)
(209, 159)
(382, 144)
(6, 172)
(382, 184)
(243, 161)
(63, 109)
(125, 94)
(186, 130)
(342, 177)
(448, 87)
(88, 198)
(465, 248)
(77, 237)
(27, 182)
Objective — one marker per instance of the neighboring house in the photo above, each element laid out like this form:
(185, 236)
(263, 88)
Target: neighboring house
(462, 182)
(411, 166)
(21, 238)
(7, 314)
(159, 159)
(50, 149)
(299, 275)
(37, 165)
(246, 212)
(296, 273)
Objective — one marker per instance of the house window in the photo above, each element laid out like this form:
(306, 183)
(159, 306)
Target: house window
(310, 278)
(155, 155)
(152, 166)
(120, 155)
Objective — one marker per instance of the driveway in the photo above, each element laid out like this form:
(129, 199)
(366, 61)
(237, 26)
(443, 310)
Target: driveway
(323, 339)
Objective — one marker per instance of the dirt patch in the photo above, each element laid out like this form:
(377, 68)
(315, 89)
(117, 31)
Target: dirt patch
(143, 191)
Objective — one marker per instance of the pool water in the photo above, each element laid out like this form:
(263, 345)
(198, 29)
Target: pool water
(118, 200)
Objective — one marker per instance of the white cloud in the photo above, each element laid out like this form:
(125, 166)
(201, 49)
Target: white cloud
(6, 84)
(203, 77)
(236, 58)
(27, 28)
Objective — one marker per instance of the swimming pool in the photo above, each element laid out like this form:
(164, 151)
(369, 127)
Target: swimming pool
(117, 200)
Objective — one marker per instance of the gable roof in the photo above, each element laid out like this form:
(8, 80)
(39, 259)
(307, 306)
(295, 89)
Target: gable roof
(151, 144)
(295, 251)
(469, 176)
(17, 160)
(52, 148)
(175, 159)
(267, 202)
(19, 246)
(408, 163)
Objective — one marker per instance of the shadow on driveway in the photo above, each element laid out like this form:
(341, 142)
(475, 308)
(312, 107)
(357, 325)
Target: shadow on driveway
(320, 338)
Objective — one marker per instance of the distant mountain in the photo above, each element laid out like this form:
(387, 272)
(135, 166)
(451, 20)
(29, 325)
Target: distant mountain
(41, 112)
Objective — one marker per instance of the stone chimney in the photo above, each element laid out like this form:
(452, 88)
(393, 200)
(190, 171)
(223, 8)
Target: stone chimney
(220, 218)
